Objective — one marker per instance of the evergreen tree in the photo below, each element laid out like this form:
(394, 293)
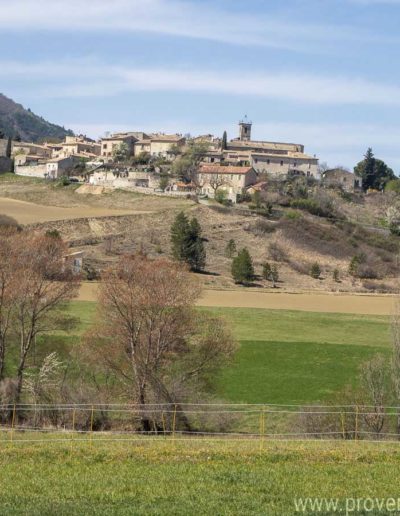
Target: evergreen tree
(179, 237)
(242, 267)
(187, 242)
(373, 172)
(271, 273)
(224, 143)
(9, 148)
(197, 252)
(315, 271)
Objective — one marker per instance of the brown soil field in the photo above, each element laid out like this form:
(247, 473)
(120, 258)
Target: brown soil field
(308, 302)
(31, 213)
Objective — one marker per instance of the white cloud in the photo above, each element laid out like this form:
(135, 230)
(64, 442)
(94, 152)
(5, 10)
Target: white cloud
(90, 78)
(190, 19)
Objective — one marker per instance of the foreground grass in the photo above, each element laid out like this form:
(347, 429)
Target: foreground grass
(189, 477)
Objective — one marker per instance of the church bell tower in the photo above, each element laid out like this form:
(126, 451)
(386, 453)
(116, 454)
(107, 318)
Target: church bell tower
(245, 129)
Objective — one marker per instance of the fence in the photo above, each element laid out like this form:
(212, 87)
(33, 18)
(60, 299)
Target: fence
(31, 423)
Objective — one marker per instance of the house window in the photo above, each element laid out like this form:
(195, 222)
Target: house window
(295, 164)
(212, 160)
(268, 161)
(281, 163)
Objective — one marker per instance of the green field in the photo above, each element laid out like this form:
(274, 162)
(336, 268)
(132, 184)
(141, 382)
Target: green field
(284, 356)
(190, 478)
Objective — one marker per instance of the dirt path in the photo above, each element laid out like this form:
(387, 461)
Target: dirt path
(29, 213)
(333, 303)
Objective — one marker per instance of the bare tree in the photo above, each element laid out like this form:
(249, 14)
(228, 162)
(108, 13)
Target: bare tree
(150, 336)
(44, 284)
(374, 381)
(216, 181)
(7, 280)
(395, 361)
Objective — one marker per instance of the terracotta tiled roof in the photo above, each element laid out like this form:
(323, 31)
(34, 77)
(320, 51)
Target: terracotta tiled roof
(219, 169)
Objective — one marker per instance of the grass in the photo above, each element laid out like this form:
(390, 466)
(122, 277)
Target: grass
(10, 177)
(185, 478)
(298, 357)
(284, 356)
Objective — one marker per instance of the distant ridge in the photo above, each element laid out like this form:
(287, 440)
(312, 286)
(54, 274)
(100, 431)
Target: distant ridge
(16, 121)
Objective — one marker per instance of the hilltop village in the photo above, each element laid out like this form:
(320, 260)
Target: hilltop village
(169, 164)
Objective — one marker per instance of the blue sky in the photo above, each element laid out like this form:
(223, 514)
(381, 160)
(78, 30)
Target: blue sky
(320, 72)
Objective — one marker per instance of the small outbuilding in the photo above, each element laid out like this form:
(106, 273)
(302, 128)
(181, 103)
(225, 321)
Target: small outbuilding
(342, 178)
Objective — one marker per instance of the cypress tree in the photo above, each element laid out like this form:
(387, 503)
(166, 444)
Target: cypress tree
(224, 143)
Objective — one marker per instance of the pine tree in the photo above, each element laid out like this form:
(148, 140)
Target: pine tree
(179, 237)
(315, 271)
(197, 252)
(187, 242)
(242, 267)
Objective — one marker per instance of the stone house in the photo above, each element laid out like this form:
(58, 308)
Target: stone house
(231, 179)
(109, 143)
(78, 145)
(341, 178)
(47, 169)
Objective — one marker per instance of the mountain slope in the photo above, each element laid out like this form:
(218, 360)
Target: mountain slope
(16, 120)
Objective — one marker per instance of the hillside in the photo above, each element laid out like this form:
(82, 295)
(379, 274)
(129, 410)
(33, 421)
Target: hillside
(293, 239)
(15, 119)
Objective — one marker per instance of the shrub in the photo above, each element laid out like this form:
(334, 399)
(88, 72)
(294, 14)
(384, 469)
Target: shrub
(277, 252)
(354, 265)
(336, 275)
(242, 267)
(53, 233)
(309, 205)
(315, 271)
(292, 215)
(262, 227)
(270, 273)
(244, 197)
(230, 248)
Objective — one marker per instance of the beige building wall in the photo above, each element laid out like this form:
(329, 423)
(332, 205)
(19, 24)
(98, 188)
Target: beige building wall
(233, 182)
(282, 165)
(162, 147)
(109, 144)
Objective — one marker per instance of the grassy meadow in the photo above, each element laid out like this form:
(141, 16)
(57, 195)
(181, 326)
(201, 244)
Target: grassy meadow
(284, 356)
(185, 478)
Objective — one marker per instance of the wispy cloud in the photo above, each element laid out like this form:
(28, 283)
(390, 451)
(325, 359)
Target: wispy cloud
(89, 78)
(183, 18)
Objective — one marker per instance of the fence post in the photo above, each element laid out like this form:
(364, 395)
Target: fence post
(174, 423)
(262, 428)
(73, 426)
(163, 422)
(13, 423)
(356, 426)
(343, 427)
(91, 426)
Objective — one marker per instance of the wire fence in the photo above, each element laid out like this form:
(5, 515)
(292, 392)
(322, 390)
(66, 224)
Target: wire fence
(30, 423)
